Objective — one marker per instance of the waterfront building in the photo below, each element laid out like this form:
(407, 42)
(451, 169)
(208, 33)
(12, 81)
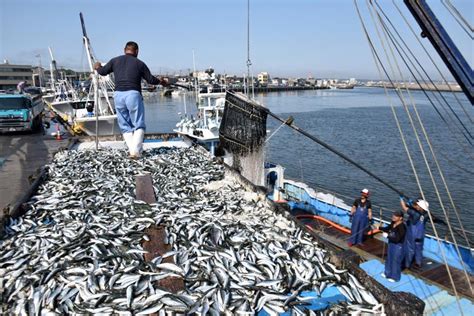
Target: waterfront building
(301, 82)
(38, 77)
(263, 79)
(276, 82)
(11, 75)
(292, 82)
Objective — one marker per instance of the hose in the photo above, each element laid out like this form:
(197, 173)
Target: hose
(335, 225)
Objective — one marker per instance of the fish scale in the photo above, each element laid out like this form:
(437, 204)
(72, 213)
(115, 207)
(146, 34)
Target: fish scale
(229, 249)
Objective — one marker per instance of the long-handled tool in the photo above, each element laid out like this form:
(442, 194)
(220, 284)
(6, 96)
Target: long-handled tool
(243, 129)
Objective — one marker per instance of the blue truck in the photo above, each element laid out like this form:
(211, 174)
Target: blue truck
(20, 112)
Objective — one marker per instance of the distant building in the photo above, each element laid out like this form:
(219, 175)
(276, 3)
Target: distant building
(203, 75)
(311, 81)
(11, 75)
(301, 82)
(40, 79)
(276, 82)
(263, 79)
(292, 82)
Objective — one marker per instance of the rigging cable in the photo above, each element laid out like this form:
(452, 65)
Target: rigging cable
(459, 18)
(424, 155)
(431, 101)
(276, 131)
(430, 216)
(423, 69)
(417, 137)
(455, 164)
(249, 63)
(435, 159)
(433, 62)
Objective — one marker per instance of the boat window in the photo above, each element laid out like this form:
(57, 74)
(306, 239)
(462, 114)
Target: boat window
(14, 103)
(79, 105)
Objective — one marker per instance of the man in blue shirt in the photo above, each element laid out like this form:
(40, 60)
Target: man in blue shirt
(128, 72)
(417, 218)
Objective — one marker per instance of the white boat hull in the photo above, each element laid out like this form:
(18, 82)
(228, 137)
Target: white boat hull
(48, 98)
(63, 108)
(107, 125)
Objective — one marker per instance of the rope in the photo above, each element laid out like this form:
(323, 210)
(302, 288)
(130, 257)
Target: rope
(301, 164)
(423, 153)
(428, 166)
(463, 23)
(249, 63)
(338, 153)
(425, 134)
(249, 113)
(434, 63)
(424, 71)
(421, 190)
(322, 189)
(434, 158)
(269, 137)
(245, 148)
(452, 162)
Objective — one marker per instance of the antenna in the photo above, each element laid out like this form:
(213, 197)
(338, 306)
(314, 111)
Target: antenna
(249, 62)
(196, 79)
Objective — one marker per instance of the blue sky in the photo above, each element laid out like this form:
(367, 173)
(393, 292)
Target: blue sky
(322, 38)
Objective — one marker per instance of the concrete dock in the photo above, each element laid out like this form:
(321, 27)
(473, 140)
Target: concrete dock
(21, 155)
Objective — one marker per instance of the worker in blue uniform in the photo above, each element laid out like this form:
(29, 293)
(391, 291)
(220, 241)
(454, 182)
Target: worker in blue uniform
(361, 214)
(395, 233)
(417, 217)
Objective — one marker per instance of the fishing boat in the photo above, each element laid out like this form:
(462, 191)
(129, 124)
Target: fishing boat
(67, 104)
(328, 214)
(187, 204)
(99, 117)
(204, 128)
(446, 277)
(445, 280)
(228, 216)
(62, 98)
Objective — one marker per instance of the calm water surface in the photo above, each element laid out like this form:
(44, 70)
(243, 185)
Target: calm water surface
(360, 124)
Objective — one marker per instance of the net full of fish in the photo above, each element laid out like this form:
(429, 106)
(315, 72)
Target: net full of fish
(78, 248)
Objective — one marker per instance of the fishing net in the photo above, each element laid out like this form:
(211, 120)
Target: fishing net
(242, 132)
(243, 125)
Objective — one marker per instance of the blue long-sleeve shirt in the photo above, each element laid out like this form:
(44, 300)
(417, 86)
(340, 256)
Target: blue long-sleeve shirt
(128, 72)
(414, 216)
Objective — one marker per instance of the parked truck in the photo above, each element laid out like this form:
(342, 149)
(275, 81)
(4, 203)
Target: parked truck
(20, 112)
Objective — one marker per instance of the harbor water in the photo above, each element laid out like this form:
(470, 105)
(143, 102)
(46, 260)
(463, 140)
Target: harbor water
(360, 124)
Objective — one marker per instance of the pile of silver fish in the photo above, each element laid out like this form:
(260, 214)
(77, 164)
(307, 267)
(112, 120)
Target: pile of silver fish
(78, 249)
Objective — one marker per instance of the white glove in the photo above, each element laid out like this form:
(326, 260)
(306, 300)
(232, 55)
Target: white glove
(385, 235)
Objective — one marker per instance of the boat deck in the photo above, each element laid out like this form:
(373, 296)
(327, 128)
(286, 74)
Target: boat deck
(374, 248)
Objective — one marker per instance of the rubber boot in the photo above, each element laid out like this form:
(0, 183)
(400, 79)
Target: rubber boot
(128, 138)
(138, 141)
